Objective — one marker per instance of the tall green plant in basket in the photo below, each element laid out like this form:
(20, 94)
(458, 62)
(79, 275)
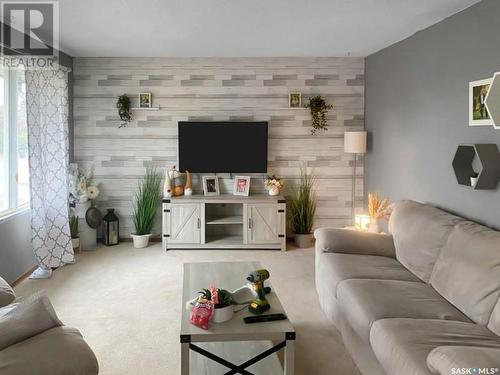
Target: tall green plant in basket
(147, 201)
(303, 204)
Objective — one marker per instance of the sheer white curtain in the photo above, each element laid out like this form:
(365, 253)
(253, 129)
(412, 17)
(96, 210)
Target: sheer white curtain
(48, 143)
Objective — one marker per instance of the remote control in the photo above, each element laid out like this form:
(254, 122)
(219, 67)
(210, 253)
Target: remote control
(264, 318)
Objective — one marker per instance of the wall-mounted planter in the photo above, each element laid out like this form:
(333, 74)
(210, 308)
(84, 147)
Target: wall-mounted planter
(488, 174)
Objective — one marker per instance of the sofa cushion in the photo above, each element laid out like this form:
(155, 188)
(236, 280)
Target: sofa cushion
(420, 232)
(467, 272)
(337, 267)
(7, 295)
(28, 318)
(444, 359)
(60, 350)
(366, 301)
(402, 345)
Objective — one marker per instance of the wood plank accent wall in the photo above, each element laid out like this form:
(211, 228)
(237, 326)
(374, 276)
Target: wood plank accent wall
(219, 89)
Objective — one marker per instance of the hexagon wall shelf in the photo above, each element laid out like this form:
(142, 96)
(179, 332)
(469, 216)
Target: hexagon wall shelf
(489, 160)
(492, 100)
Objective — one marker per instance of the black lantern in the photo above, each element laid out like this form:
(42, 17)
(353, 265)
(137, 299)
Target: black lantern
(111, 228)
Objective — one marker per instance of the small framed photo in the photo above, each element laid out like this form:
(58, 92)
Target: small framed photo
(478, 112)
(295, 100)
(211, 185)
(241, 185)
(145, 100)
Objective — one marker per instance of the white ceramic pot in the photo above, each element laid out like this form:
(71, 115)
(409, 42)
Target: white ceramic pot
(303, 240)
(140, 241)
(76, 244)
(223, 314)
(374, 226)
(274, 191)
(473, 181)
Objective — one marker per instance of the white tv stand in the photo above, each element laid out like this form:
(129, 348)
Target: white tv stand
(224, 222)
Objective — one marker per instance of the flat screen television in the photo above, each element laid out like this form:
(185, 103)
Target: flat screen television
(223, 147)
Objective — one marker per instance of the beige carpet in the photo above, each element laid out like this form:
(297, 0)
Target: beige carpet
(127, 303)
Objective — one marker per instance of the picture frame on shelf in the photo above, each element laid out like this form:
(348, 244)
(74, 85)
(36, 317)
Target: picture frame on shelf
(241, 185)
(210, 185)
(478, 112)
(295, 99)
(145, 100)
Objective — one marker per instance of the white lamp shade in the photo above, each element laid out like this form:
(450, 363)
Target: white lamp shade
(355, 142)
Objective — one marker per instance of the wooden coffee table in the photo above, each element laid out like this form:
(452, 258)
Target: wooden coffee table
(233, 347)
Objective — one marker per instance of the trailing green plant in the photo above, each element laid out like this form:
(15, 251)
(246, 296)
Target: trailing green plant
(124, 109)
(318, 108)
(225, 297)
(73, 226)
(146, 202)
(303, 204)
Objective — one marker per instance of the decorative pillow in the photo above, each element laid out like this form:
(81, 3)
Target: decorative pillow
(25, 319)
(7, 295)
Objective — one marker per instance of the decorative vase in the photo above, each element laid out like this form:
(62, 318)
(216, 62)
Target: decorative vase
(473, 181)
(303, 240)
(274, 191)
(374, 226)
(223, 314)
(140, 241)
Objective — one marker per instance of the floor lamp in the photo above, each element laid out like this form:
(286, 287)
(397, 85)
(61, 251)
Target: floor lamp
(354, 143)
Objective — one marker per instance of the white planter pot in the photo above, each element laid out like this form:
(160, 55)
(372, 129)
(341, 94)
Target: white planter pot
(223, 314)
(76, 244)
(303, 240)
(274, 191)
(140, 241)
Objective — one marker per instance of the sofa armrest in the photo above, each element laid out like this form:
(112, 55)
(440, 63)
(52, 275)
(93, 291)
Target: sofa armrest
(348, 241)
(7, 295)
(443, 359)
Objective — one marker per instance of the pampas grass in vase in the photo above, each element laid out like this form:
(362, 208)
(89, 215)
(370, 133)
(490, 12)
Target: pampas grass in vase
(377, 209)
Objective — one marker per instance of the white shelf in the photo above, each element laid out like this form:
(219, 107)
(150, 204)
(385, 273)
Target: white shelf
(226, 220)
(224, 240)
(157, 108)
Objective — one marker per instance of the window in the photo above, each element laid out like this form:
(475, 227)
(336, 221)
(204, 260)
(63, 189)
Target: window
(14, 169)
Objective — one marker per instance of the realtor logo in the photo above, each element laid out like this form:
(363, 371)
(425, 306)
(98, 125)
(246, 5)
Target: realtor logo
(29, 29)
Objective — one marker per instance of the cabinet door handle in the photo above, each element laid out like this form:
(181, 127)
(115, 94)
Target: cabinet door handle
(250, 224)
(198, 223)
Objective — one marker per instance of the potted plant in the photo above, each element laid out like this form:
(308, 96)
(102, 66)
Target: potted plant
(273, 184)
(73, 229)
(124, 109)
(223, 304)
(303, 207)
(377, 209)
(319, 109)
(146, 203)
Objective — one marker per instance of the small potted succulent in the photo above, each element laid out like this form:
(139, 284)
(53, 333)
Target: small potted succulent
(73, 228)
(146, 203)
(273, 184)
(223, 304)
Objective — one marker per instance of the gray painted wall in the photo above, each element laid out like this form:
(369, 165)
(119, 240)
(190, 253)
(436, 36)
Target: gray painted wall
(417, 111)
(218, 89)
(16, 254)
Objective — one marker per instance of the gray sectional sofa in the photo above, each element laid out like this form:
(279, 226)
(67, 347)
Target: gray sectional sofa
(422, 300)
(56, 351)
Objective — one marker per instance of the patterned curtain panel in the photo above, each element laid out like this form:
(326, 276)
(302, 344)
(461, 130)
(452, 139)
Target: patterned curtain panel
(47, 112)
